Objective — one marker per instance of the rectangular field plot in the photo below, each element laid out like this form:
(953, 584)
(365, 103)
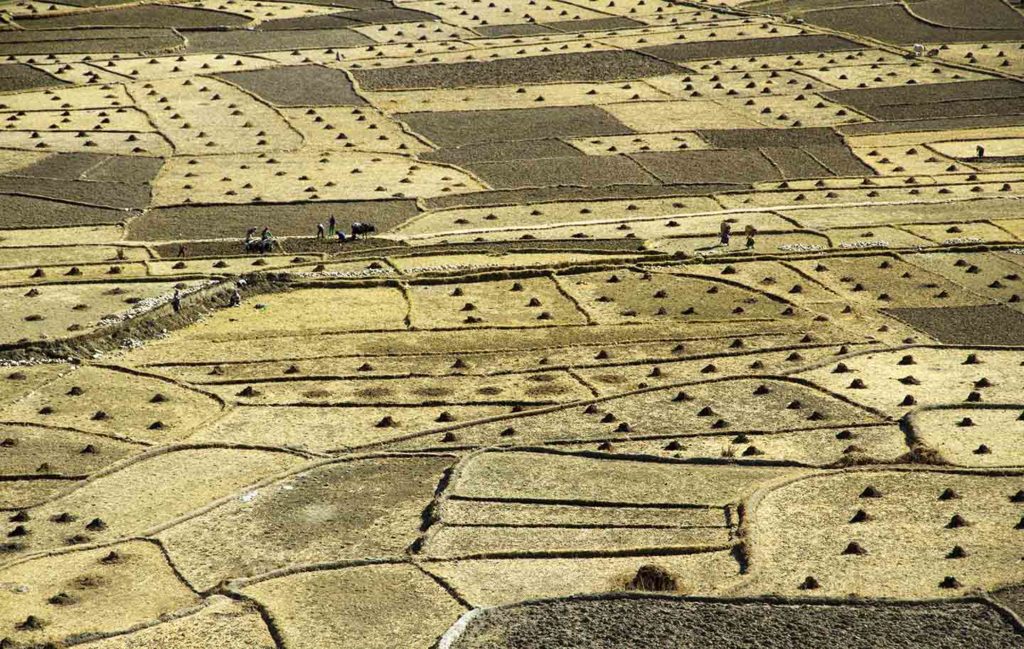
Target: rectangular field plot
(528, 302)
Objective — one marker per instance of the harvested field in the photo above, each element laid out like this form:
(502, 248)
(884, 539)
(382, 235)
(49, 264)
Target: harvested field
(306, 85)
(102, 39)
(285, 219)
(595, 66)
(897, 23)
(670, 318)
(575, 171)
(650, 622)
(17, 76)
(146, 16)
(969, 325)
(684, 52)
(348, 607)
(346, 510)
(456, 129)
(265, 41)
(901, 544)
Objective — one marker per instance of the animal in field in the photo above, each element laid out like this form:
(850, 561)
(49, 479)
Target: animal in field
(362, 229)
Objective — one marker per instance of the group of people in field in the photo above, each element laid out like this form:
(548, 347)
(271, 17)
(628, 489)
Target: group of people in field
(725, 234)
(331, 230)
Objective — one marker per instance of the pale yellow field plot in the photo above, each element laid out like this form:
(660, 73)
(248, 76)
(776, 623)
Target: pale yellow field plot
(706, 409)
(323, 309)
(37, 449)
(502, 12)
(75, 98)
(719, 31)
(117, 404)
(222, 623)
(392, 606)
(22, 494)
(524, 303)
(965, 232)
(61, 258)
(855, 238)
(49, 312)
(557, 477)
(503, 581)
(770, 242)
(819, 447)
(442, 263)
(672, 116)
(929, 376)
(331, 429)
(92, 592)
(912, 160)
(544, 388)
(880, 75)
(304, 176)
(802, 109)
(926, 534)
(1004, 147)
(147, 493)
(1003, 56)
(613, 144)
(930, 211)
(777, 278)
(987, 436)
(509, 97)
(997, 278)
(174, 66)
(346, 510)
(260, 11)
(359, 129)
(112, 142)
(413, 32)
(93, 119)
(202, 116)
(80, 72)
(476, 541)
(726, 84)
(509, 217)
(626, 296)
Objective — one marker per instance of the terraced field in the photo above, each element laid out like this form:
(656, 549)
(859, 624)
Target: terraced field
(680, 324)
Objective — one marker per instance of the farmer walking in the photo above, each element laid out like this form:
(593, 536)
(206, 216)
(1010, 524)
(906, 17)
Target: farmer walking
(750, 231)
(332, 225)
(724, 232)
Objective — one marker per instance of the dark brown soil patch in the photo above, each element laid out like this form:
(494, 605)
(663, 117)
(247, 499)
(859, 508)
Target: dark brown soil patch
(292, 246)
(936, 124)
(515, 29)
(594, 25)
(18, 76)
(143, 16)
(330, 21)
(86, 41)
(458, 128)
(547, 194)
(389, 15)
(992, 324)
(708, 166)
(977, 14)
(892, 23)
(839, 160)
(284, 219)
(795, 163)
(651, 622)
(131, 170)
(967, 98)
(299, 85)
(241, 40)
(116, 195)
(754, 138)
(29, 212)
(590, 66)
(680, 52)
(503, 152)
(586, 171)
